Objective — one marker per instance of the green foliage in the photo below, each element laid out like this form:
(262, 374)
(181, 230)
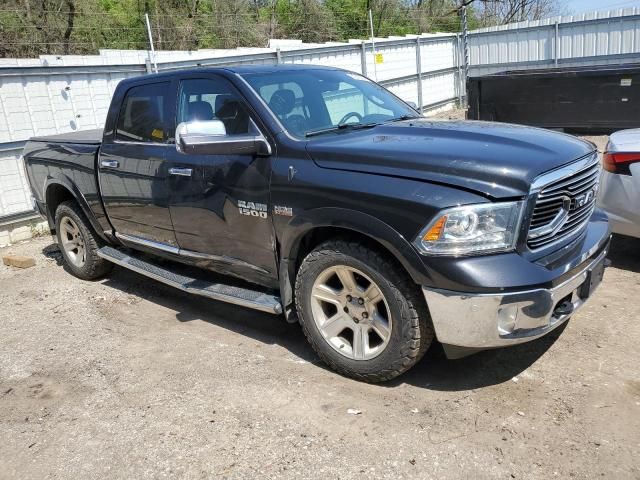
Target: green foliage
(33, 27)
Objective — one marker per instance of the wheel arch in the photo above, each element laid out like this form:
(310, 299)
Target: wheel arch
(307, 231)
(56, 191)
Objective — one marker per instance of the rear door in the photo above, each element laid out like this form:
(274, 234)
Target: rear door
(133, 170)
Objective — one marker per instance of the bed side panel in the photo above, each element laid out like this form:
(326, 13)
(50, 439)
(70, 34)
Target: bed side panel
(71, 165)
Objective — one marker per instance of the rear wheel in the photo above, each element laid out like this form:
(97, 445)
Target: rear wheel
(78, 243)
(361, 312)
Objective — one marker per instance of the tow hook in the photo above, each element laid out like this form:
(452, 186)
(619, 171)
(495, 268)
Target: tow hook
(563, 308)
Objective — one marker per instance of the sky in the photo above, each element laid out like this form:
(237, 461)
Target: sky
(581, 6)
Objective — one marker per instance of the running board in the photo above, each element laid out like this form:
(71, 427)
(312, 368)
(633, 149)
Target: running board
(216, 291)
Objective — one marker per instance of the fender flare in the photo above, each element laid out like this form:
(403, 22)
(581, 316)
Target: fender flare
(348, 220)
(66, 183)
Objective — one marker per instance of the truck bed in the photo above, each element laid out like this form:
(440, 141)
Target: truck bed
(83, 137)
(67, 160)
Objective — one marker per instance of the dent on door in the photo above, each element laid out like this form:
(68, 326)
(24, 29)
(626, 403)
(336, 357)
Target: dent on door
(226, 217)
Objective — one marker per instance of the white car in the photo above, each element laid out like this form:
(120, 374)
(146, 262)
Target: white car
(620, 185)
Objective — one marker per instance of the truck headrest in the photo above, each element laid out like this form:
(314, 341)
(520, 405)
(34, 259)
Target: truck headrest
(282, 102)
(227, 107)
(221, 101)
(199, 110)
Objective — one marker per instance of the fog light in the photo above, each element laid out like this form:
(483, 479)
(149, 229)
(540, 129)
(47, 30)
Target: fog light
(507, 318)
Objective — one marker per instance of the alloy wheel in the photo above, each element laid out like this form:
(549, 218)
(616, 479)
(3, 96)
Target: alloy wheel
(351, 312)
(73, 242)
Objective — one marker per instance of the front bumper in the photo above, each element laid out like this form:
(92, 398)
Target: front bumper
(489, 320)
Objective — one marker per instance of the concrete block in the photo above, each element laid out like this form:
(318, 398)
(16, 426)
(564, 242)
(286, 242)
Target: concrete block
(19, 261)
(20, 233)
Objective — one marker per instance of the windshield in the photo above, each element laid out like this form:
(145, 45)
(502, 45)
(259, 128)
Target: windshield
(317, 101)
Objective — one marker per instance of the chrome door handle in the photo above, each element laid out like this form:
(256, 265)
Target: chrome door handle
(109, 163)
(183, 172)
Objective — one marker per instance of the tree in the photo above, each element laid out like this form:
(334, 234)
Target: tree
(500, 12)
(34, 27)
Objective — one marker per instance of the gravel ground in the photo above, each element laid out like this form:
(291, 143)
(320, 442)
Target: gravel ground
(127, 378)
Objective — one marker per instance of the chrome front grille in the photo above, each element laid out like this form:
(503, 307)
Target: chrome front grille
(565, 204)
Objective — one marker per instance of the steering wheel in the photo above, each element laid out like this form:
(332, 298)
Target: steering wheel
(344, 119)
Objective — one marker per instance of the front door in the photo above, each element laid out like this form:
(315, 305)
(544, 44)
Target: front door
(133, 169)
(221, 213)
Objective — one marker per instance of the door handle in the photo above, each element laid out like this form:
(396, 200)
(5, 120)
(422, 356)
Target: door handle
(182, 172)
(109, 163)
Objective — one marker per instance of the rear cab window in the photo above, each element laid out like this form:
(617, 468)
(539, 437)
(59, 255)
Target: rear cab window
(142, 114)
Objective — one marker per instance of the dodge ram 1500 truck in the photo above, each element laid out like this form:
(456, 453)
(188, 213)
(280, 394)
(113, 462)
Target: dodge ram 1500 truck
(315, 193)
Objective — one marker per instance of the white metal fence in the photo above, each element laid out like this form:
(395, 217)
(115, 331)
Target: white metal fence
(598, 38)
(57, 94)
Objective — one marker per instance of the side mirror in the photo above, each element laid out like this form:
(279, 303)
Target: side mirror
(210, 138)
(413, 105)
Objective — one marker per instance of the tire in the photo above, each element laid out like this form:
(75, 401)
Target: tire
(385, 350)
(73, 230)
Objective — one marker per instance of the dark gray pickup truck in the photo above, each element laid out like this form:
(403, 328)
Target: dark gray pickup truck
(315, 193)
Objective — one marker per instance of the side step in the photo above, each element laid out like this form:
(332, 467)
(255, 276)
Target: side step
(224, 293)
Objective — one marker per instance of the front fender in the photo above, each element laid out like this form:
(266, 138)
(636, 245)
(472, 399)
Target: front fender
(349, 221)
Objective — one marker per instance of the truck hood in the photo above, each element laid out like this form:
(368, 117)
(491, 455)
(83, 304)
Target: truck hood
(495, 159)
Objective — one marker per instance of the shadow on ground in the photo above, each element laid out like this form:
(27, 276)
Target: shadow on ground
(53, 252)
(491, 367)
(625, 253)
(434, 372)
(266, 328)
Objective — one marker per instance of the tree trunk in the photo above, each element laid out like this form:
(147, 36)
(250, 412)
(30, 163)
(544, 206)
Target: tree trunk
(71, 14)
(158, 30)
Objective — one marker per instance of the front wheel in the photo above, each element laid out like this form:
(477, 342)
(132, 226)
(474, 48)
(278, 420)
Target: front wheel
(361, 312)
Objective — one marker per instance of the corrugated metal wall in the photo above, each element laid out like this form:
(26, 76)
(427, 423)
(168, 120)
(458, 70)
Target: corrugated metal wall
(608, 37)
(58, 94)
(15, 196)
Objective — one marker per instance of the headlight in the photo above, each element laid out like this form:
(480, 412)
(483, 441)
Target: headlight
(481, 228)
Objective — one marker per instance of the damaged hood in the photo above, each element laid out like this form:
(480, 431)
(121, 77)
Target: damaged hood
(495, 159)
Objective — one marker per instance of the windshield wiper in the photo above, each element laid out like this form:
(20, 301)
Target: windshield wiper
(343, 126)
(403, 117)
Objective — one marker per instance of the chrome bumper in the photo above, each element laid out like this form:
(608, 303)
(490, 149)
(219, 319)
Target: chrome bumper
(502, 319)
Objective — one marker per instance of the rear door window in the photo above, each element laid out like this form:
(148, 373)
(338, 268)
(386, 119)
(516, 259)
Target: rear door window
(142, 114)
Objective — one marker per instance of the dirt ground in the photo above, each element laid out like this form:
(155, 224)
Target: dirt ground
(125, 378)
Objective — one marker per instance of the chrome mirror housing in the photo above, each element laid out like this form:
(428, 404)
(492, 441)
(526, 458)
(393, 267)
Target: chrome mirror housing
(210, 138)
(190, 132)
